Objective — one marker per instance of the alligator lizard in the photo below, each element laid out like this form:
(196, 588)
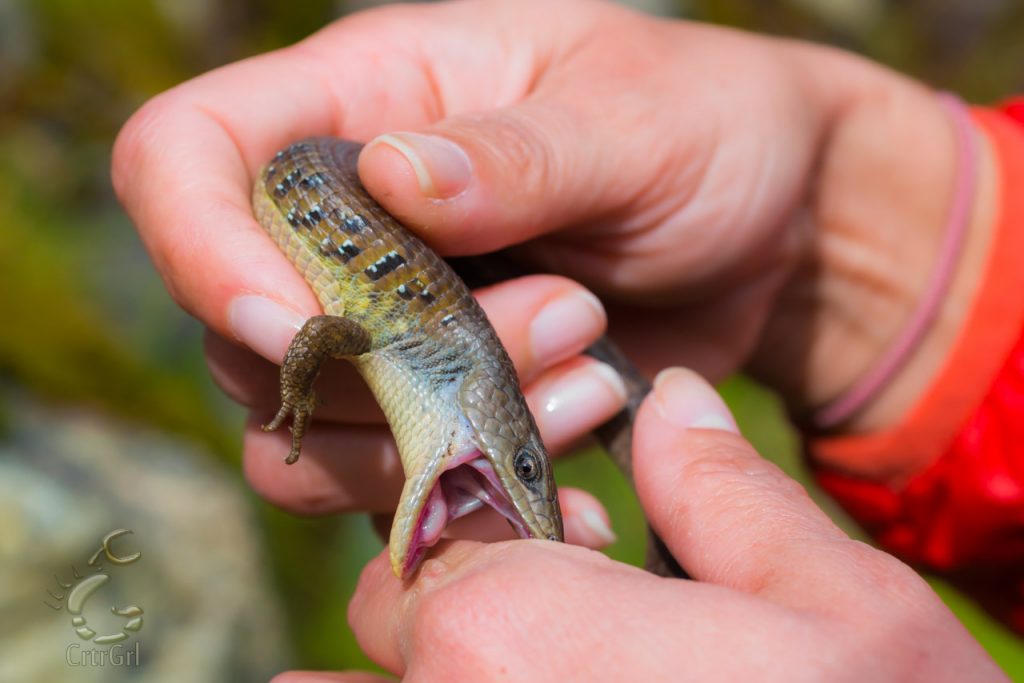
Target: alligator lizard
(424, 346)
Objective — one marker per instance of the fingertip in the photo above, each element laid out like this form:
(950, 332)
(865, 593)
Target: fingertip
(263, 465)
(363, 474)
(389, 176)
(392, 180)
(543, 320)
(686, 400)
(711, 496)
(566, 325)
(571, 400)
(264, 325)
(125, 155)
(586, 520)
(586, 523)
(375, 578)
(247, 378)
(377, 613)
(441, 168)
(330, 677)
(476, 183)
(681, 405)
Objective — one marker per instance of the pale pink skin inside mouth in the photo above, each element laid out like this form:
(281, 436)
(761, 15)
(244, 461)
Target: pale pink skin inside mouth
(467, 484)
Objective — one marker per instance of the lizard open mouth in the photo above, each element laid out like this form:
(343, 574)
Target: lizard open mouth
(468, 484)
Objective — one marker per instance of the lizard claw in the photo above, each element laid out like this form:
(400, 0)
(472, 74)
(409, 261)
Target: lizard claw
(271, 426)
(302, 414)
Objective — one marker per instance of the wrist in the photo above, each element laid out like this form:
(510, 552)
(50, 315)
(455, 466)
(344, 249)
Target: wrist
(873, 223)
(930, 353)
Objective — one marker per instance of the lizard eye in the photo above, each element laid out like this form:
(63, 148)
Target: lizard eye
(526, 465)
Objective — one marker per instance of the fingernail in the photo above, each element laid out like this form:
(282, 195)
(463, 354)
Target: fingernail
(442, 168)
(565, 326)
(595, 522)
(588, 528)
(686, 400)
(586, 522)
(264, 325)
(578, 401)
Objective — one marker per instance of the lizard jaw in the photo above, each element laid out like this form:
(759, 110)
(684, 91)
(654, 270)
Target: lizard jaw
(466, 485)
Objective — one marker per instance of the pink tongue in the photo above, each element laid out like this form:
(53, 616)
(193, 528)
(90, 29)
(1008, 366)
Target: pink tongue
(434, 518)
(474, 485)
(466, 486)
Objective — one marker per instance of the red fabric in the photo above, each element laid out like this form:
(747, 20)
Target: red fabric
(963, 515)
(1014, 108)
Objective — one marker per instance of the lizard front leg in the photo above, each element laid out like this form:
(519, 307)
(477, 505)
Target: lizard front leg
(321, 337)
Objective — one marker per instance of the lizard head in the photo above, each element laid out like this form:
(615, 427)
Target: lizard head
(494, 457)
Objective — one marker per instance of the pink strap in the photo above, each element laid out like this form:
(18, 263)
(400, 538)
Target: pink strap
(864, 389)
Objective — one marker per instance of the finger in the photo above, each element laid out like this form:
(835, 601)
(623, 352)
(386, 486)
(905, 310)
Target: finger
(183, 165)
(572, 399)
(585, 521)
(255, 382)
(487, 178)
(541, 320)
(381, 603)
(389, 617)
(484, 181)
(356, 466)
(330, 677)
(526, 606)
(729, 516)
(545, 611)
(341, 469)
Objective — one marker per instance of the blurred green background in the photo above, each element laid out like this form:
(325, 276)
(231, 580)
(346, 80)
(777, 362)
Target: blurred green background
(100, 372)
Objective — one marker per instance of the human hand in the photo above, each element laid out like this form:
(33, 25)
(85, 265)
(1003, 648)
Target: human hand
(781, 594)
(183, 145)
(654, 161)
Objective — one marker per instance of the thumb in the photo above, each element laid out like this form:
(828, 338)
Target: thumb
(728, 515)
(477, 183)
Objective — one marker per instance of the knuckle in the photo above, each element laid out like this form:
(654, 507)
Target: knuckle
(727, 463)
(888, 575)
(517, 148)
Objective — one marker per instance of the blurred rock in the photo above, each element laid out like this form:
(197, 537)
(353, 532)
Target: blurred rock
(67, 479)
